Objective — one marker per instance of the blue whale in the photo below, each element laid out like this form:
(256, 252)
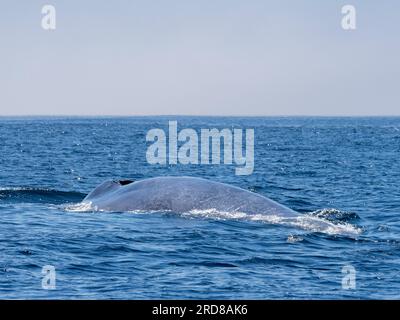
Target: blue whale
(180, 194)
(187, 194)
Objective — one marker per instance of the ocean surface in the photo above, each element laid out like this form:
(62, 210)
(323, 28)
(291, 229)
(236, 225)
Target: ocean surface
(345, 170)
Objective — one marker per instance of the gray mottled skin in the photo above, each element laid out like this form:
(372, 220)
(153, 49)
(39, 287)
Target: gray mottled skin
(181, 194)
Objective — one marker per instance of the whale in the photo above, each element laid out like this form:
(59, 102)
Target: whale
(183, 194)
(180, 194)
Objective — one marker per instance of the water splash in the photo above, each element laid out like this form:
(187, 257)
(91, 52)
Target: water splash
(313, 221)
(81, 207)
(335, 215)
(307, 222)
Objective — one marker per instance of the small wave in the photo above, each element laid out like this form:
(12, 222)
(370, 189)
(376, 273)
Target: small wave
(294, 238)
(38, 195)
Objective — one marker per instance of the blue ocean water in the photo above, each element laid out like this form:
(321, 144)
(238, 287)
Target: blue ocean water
(345, 170)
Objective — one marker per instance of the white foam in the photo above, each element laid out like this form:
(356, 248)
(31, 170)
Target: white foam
(88, 206)
(81, 207)
(307, 222)
(293, 239)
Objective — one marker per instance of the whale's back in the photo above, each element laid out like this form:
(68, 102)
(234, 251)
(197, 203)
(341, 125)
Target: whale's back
(182, 194)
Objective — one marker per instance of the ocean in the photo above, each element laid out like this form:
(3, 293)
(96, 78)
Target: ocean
(345, 170)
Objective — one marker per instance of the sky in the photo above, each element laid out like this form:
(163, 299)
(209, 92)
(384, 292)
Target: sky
(205, 57)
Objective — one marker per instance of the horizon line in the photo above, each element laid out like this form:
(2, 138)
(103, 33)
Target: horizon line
(192, 115)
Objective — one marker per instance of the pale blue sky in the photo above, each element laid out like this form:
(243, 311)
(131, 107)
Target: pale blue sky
(205, 57)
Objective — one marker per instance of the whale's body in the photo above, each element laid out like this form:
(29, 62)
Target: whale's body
(188, 194)
(181, 194)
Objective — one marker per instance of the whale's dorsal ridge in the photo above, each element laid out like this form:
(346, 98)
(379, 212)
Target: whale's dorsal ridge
(105, 188)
